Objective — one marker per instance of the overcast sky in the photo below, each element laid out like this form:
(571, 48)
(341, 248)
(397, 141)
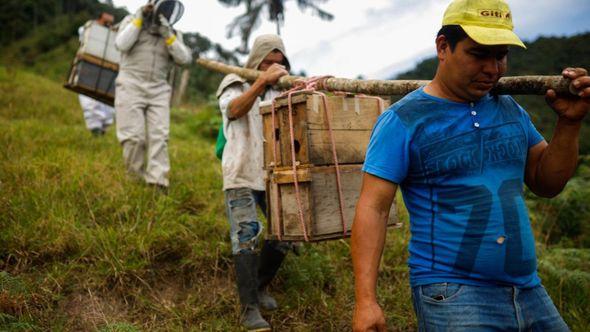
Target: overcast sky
(373, 38)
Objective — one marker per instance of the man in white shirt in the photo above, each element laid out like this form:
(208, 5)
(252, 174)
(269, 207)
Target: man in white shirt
(149, 47)
(98, 116)
(243, 177)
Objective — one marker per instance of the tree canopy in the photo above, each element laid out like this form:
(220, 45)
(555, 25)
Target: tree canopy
(247, 22)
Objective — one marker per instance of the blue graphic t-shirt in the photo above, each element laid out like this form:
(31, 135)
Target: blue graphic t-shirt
(460, 168)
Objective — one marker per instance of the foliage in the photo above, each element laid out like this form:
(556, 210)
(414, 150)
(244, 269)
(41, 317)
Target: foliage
(20, 17)
(49, 48)
(250, 19)
(565, 219)
(44, 33)
(203, 83)
(566, 275)
(207, 120)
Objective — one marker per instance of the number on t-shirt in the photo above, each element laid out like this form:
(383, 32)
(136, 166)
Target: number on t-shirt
(514, 264)
(480, 200)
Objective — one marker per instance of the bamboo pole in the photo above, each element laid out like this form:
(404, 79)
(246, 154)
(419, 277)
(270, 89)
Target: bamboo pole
(516, 85)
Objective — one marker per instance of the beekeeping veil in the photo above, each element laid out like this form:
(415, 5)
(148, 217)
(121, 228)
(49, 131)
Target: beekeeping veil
(171, 9)
(263, 46)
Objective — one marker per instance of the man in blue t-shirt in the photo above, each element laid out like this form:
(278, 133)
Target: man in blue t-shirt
(461, 157)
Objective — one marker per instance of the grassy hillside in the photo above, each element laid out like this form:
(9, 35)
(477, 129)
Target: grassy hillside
(85, 248)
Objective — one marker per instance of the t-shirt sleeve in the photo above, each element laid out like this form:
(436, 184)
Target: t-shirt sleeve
(230, 93)
(388, 152)
(534, 137)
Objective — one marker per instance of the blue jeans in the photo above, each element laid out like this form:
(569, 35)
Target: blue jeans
(455, 307)
(245, 226)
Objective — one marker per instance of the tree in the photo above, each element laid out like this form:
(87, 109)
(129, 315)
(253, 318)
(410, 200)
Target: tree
(250, 19)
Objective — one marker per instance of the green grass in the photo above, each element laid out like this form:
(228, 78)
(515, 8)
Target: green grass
(83, 247)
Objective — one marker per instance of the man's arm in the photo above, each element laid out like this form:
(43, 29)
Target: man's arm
(551, 165)
(128, 33)
(242, 104)
(174, 42)
(130, 27)
(178, 50)
(368, 239)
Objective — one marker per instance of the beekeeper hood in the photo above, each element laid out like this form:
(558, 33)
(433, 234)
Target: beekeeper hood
(171, 9)
(263, 46)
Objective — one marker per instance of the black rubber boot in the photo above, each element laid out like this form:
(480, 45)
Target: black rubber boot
(271, 259)
(246, 265)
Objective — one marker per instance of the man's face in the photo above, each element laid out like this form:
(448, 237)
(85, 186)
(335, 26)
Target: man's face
(472, 69)
(272, 58)
(106, 20)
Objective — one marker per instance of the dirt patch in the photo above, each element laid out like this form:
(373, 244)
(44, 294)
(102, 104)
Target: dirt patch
(87, 311)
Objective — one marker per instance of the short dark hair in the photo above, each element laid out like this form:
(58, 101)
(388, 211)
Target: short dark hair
(453, 33)
(104, 13)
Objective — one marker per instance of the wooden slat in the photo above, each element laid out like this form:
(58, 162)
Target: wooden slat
(351, 118)
(320, 205)
(290, 209)
(346, 113)
(99, 62)
(108, 99)
(268, 137)
(273, 210)
(351, 146)
(300, 136)
(286, 176)
(283, 102)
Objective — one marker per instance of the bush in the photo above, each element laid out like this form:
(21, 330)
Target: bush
(565, 219)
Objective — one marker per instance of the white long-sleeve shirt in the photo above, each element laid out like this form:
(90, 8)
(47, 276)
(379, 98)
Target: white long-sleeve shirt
(131, 27)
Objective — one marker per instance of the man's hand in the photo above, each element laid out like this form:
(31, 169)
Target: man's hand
(165, 28)
(550, 165)
(367, 242)
(242, 105)
(272, 75)
(368, 318)
(571, 108)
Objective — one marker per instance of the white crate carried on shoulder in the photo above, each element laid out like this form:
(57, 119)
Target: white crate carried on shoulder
(96, 64)
(99, 41)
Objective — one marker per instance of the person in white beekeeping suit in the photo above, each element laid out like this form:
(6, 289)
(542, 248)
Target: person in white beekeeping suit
(149, 46)
(98, 116)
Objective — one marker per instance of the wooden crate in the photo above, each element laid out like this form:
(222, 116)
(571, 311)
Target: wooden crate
(319, 199)
(352, 119)
(94, 78)
(99, 41)
(96, 65)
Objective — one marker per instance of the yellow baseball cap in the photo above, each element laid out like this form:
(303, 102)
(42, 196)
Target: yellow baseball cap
(487, 22)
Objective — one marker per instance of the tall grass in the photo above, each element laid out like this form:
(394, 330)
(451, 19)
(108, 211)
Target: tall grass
(83, 247)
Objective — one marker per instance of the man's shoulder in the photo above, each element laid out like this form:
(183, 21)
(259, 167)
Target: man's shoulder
(411, 108)
(507, 101)
(229, 80)
(126, 20)
(507, 105)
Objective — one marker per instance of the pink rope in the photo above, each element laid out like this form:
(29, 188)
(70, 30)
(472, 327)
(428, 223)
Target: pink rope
(311, 85)
(379, 101)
